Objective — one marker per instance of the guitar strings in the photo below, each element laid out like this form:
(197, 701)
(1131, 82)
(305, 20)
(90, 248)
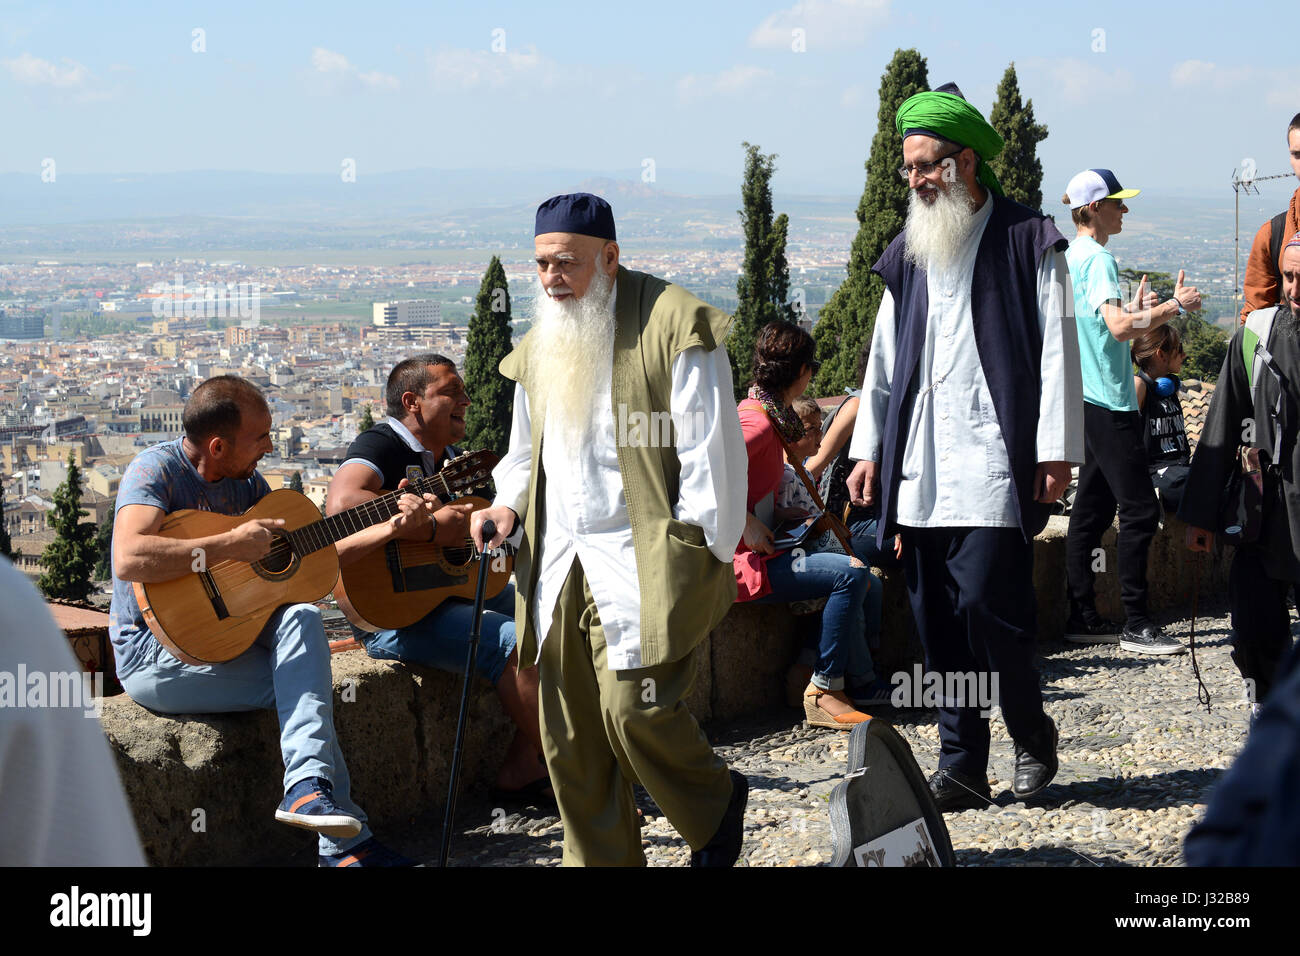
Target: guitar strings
(234, 573)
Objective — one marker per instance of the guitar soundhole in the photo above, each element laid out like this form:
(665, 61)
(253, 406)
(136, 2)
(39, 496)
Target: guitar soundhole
(280, 561)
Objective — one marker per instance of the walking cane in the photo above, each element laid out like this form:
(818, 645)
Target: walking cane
(489, 532)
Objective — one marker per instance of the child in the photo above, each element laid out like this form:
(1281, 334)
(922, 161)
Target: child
(1159, 357)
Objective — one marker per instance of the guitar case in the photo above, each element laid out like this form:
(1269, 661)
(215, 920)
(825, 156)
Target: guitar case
(882, 812)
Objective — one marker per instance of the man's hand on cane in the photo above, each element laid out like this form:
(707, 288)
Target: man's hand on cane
(504, 518)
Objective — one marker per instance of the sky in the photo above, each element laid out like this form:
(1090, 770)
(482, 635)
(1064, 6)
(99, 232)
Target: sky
(1171, 97)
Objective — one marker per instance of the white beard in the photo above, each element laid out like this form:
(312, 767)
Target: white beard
(572, 357)
(935, 232)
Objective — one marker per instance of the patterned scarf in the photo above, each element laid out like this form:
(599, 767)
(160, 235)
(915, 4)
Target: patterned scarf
(786, 421)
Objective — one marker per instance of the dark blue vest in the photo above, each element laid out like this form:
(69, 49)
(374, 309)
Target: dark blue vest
(1004, 314)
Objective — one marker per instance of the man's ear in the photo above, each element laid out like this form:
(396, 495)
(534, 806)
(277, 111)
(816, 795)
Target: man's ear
(609, 258)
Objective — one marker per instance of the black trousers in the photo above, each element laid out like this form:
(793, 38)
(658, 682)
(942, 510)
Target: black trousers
(1261, 620)
(1114, 473)
(972, 594)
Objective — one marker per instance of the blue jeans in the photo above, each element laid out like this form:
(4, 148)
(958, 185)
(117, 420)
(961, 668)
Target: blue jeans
(799, 577)
(441, 638)
(863, 538)
(288, 669)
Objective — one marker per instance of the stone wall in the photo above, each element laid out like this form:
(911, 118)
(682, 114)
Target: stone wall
(397, 723)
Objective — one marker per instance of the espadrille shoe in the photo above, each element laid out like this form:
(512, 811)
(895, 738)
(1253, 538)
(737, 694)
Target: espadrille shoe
(817, 717)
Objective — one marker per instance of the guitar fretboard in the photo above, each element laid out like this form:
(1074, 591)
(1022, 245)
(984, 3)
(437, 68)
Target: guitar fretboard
(323, 533)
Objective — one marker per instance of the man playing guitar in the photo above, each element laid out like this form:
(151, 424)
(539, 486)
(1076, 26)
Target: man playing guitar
(214, 468)
(426, 402)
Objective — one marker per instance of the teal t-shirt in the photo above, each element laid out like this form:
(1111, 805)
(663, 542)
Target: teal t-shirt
(1106, 363)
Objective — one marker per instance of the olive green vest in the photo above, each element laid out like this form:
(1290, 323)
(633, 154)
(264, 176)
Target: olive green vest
(685, 590)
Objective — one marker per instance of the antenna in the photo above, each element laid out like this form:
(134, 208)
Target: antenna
(1243, 184)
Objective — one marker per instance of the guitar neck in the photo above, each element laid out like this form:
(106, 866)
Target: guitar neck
(327, 531)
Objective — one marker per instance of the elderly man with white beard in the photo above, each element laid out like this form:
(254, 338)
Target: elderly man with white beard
(625, 560)
(970, 418)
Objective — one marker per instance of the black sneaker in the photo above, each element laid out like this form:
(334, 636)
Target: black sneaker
(1079, 630)
(1149, 639)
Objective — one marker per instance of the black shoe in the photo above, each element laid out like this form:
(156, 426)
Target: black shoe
(1149, 639)
(724, 848)
(1092, 630)
(954, 791)
(1033, 773)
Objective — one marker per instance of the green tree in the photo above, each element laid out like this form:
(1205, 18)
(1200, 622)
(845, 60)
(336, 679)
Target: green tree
(763, 289)
(492, 395)
(6, 544)
(367, 419)
(295, 482)
(1017, 166)
(845, 324)
(69, 560)
(104, 547)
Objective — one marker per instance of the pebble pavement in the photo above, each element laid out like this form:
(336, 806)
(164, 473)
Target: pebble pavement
(1138, 756)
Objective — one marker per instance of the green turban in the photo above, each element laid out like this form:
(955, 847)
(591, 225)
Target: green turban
(950, 117)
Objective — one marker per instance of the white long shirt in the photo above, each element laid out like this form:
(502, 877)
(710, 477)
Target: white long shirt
(955, 468)
(586, 512)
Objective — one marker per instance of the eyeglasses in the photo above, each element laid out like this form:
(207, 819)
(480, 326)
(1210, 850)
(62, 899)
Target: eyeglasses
(925, 169)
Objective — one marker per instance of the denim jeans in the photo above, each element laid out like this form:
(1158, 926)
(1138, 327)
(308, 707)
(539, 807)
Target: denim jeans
(863, 538)
(441, 638)
(288, 669)
(799, 577)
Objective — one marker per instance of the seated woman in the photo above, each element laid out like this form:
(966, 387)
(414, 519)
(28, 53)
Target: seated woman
(1159, 357)
(783, 366)
(793, 501)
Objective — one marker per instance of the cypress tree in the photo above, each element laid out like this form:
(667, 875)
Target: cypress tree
(6, 544)
(367, 419)
(846, 321)
(69, 560)
(104, 547)
(492, 395)
(763, 289)
(1017, 166)
(295, 482)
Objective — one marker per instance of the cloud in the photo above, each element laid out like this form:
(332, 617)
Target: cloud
(482, 69)
(826, 23)
(33, 71)
(1079, 80)
(1200, 73)
(334, 72)
(737, 80)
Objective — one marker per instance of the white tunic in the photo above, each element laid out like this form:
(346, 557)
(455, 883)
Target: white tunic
(586, 512)
(955, 469)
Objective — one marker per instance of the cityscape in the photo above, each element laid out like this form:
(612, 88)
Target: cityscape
(99, 350)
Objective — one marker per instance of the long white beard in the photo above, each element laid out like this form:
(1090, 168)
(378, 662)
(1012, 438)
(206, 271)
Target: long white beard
(935, 232)
(572, 354)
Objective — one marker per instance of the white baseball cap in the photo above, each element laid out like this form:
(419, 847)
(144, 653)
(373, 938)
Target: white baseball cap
(1093, 184)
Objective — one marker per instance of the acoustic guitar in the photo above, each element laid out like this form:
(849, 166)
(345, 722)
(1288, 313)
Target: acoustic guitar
(215, 612)
(398, 584)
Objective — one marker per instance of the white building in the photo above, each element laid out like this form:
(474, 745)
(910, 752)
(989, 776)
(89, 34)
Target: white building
(407, 312)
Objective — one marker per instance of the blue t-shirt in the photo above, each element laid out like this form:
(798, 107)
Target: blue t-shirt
(1106, 363)
(163, 477)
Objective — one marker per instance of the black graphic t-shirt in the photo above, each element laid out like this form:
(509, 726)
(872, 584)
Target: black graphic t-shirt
(1162, 426)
